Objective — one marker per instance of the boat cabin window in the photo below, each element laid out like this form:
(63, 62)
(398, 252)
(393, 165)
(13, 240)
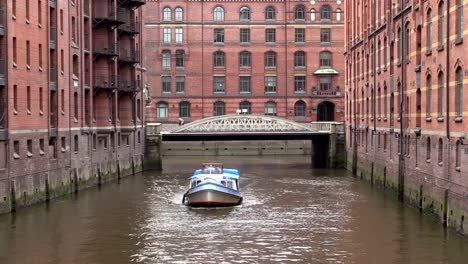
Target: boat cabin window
(195, 183)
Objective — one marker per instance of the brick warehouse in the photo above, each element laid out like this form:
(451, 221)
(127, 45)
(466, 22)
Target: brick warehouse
(71, 101)
(405, 81)
(272, 57)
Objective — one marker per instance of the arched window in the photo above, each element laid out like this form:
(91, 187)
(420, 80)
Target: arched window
(459, 27)
(299, 59)
(313, 14)
(244, 13)
(385, 53)
(218, 59)
(245, 107)
(270, 108)
(300, 109)
(325, 13)
(270, 13)
(440, 97)
(400, 44)
(167, 14)
(325, 59)
(179, 14)
(459, 92)
(270, 59)
(219, 108)
(338, 15)
(162, 110)
(166, 59)
(385, 101)
(429, 30)
(407, 42)
(244, 59)
(440, 156)
(379, 55)
(218, 14)
(428, 96)
(441, 23)
(428, 149)
(184, 109)
(299, 13)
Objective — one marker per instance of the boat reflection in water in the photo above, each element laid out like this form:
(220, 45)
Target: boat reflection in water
(213, 186)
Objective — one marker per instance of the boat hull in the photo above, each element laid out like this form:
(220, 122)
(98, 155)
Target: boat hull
(212, 195)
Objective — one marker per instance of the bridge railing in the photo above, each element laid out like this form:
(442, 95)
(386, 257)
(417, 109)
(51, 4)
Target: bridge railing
(153, 129)
(330, 127)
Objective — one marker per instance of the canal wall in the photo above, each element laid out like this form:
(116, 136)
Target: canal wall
(415, 178)
(66, 167)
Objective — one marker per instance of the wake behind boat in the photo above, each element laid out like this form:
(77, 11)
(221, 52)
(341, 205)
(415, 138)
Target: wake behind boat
(213, 186)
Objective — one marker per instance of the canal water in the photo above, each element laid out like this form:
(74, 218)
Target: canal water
(291, 214)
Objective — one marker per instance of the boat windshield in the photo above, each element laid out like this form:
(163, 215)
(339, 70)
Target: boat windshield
(212, 170)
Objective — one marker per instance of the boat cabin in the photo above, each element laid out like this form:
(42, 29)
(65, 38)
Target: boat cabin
(215, 172)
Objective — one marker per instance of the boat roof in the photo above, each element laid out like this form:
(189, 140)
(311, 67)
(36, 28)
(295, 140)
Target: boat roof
(232, 174)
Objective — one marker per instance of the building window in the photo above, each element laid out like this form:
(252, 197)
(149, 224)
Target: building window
(15, 55)
(41, 101)
(180, 84)
(299, 84)
(167, 35)
(299, 13)
(76, 144)
(441, 24)
(179, 14)
(167, 14)
(15, 99)
(218, 14)
(385, 54)
(338, 15)
(270, 59)
(457, 155)
(270, 84)
(180, 61)
(41, 146)
(28, 99)
(459, 27)
(325, 35)
(428, 96)
(245, 84)
(184, 109)
(75, 105)
(270, 13)
(166, 84)
(299, 35)
(325, 59)
(428, 149)
(429, 30)
(379, 55)
(27, 10)
(16, 149)
(166, 60)
(218, 35)
(245, 107)
(270, 35)
(407, 43)
(299, 59)
(270, 108)
(325, 13)
(218, 59)
(219, 84)
(162, 110)
(325, 83)
(440, 97)
(219, 108)
(28, 54)
(300, 109)
(440, 157)
(459, 92)
(244, 13)
(179, 35)
(244, 35)
(13, 8)
(244, 59)
(313, 14)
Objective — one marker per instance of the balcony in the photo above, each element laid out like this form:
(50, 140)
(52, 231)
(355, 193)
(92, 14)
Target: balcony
(105, 82)
(53, 4)
(86, 8)
(110, 50)
(106, 15)
(130, 27)
(53, 37)
(53, 79)
(131, 3)
(129, 56)
(129, 85)
(2, 21)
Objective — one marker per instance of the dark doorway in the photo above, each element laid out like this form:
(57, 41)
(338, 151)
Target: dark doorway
(326, 111)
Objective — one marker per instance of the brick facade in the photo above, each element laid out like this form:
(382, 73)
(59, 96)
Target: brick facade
(62, 127)
(187, 29)
(405, 82)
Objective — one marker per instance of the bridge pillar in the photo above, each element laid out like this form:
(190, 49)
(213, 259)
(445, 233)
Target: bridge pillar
(153, 146)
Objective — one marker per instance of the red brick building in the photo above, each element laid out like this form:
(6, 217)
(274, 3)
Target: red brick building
(275, 57)
(70, 100)
(405, 82)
